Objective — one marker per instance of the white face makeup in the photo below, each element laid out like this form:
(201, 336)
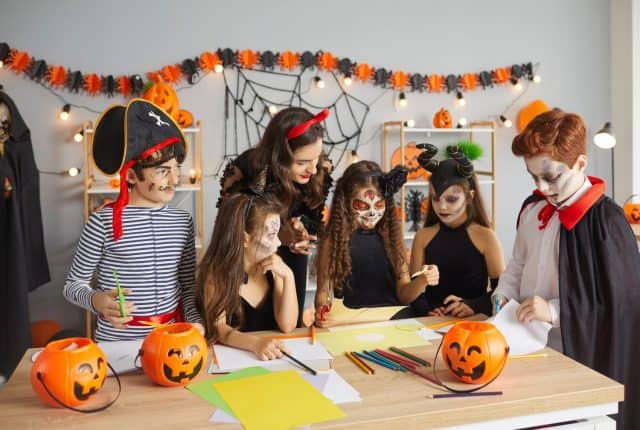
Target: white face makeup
(451, 206)
(5, 120)
(368, 206)
(305, 162)
(554, 179)
(268, 242)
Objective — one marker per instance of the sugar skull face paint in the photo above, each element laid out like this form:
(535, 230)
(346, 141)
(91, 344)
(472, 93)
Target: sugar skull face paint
(268, 242)
(368, 207)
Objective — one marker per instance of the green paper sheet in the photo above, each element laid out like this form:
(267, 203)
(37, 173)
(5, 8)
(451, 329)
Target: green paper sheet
(277, 401)
(207, 391)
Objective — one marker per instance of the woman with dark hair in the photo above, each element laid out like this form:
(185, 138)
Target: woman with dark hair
(457, 241)
(362, 258)
(242, 284)
(298, 176)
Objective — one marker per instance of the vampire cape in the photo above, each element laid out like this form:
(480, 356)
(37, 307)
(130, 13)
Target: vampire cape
(23, 262)
(600, 293)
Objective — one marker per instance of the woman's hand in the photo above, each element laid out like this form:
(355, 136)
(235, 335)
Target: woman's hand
(534, 308)
(430, 274)
(455, 307)
(274, 264)
(107, 305)
(302, 241)
(266, 348)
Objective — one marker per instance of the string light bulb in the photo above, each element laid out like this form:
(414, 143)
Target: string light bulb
(537, 78)
(78, 136)
(64, 113)
(1, 64)
(73, 171)
(410, 123)
(273, 109)
(193, 176)
(354, 156)
(460, 98)
(347, 79)
(319, 82)
(506, 122)
(218, 68)
(462, 122)
(402, 100)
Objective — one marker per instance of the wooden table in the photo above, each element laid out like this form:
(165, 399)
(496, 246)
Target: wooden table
(536, 391)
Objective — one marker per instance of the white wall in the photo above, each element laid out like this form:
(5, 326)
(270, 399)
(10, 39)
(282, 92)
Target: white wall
(570, 39)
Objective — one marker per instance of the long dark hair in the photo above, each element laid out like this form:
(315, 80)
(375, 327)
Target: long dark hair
(221, 271)
(334, 256)
(275, 150)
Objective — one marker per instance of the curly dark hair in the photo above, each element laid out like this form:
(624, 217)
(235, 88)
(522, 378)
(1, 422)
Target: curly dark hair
(334, 257)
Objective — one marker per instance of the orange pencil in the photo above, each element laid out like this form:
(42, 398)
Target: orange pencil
(292, 336)
(214, 357)
(313, 334)
(355, 357)
(357, 362)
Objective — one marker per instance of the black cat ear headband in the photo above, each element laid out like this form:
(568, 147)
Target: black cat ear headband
(454, 171)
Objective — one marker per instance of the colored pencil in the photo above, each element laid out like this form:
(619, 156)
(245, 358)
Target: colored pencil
(397, 359)
(299, 363)
(292, 336)
(214, 357)
(410, 356)
(542, 355)
(428, 378)
(474, 394)
(123, 312)
(361, 361)
(436, 326)
(379, 356)
(313, 334)
(358, 363)
(152, 323)
(374, 360)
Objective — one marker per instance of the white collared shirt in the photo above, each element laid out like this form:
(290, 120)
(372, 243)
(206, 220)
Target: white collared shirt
(533, 268)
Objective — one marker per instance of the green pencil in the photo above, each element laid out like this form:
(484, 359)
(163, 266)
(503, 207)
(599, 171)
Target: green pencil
(410, 356)
(120, 295)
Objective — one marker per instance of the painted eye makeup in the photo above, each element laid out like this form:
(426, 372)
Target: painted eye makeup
(452, 200)
(380, 204)
(360, 205)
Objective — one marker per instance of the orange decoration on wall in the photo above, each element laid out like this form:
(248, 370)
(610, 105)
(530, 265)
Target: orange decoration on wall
(363, 72)
(92, 84)
(529, 112)
(502, 75)
(209, 60)
(56, 76)
(442, 119)
(164, 96)
(469, 81)
(288, 60)
(171, 73)
(18, 61)
(399, 80)
(124, 85)
(248, 58)
(411, 153)
(435, 83)
(326, 61)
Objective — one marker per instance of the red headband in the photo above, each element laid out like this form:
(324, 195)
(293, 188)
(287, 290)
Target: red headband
(299, 129)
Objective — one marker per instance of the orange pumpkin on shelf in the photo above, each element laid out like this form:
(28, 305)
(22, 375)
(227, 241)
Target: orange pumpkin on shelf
(72, 369)
(632, 210)
(474, 351)
(411, 153)
(164, 96)
(174, 354)
(442, 119)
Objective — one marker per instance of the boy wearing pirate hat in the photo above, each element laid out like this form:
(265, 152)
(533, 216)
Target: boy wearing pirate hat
(137, 241)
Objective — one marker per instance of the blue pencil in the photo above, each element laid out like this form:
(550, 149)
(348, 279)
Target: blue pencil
(374, 360)
(383, 358)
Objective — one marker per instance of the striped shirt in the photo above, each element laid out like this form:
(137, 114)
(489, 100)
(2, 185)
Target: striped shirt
(155, 258)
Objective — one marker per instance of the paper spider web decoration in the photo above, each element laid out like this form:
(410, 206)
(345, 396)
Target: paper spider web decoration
(249, 95)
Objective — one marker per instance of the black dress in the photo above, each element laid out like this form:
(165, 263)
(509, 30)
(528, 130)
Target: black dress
(463, 272)
(260, 317)
(310, 217)
(373, 280)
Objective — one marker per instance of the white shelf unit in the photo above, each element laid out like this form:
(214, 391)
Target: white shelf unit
(96, 186)
(485, 177)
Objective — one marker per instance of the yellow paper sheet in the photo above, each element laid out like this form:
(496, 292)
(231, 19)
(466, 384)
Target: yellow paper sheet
(344, 315)
(279, 400)
(403, 334)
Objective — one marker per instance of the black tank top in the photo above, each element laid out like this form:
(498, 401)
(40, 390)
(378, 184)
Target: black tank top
(261, 317)
(462, 268)
(373, 280)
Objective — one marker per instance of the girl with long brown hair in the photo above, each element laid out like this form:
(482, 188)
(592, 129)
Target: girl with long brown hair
(457, 241)
(292, 149)
(243, 285)
(362, 258)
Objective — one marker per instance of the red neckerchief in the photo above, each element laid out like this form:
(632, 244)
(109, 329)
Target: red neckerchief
(571, 215)
(123, 197)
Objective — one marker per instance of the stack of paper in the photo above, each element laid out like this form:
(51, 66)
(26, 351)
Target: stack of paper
(522, 338)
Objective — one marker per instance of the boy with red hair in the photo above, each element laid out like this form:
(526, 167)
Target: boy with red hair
(575, 260)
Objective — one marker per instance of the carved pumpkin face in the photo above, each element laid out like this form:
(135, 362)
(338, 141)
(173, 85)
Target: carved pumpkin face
(442, 119)
(164, 96)
(184, 119)
(173, 354)
(72, 369)
(411, 153)
(475, 352)
(632, 211)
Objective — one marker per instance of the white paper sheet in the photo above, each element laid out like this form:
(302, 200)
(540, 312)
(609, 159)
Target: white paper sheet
(230, 359)
(121, 354)
(523, 338)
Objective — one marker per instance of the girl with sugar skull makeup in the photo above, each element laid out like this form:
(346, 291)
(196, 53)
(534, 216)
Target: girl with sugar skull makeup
(457, 239)
(243, 284)
(362, 258)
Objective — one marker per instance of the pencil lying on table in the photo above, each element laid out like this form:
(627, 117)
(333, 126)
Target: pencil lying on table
(299, 363)
(474, 394)
(363, 366)
(410, 356)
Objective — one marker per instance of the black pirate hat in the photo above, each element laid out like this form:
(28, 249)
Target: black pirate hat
(125, 135)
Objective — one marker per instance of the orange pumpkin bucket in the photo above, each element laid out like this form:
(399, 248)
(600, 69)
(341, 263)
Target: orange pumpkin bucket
(68, 372)
(632, 209)
(474, 351)
(174, 354)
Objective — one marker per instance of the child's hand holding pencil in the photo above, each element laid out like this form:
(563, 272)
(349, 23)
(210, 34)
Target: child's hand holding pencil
(107, 305)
